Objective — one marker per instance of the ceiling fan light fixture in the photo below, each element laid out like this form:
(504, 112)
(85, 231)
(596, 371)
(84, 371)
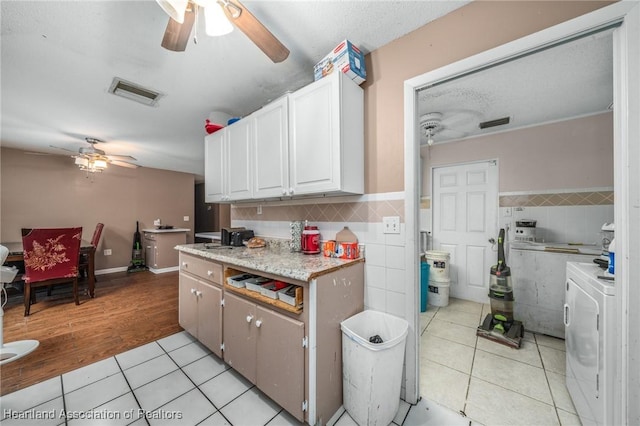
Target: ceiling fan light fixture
(174, 8)
(216, 22)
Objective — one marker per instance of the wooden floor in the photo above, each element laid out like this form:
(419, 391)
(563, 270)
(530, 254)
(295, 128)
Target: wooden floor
(129, 310)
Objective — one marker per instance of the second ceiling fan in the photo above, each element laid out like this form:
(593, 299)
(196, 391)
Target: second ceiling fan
(183, 13)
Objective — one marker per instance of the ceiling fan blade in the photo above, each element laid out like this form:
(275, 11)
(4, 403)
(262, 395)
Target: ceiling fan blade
(258, 33)
(176, 36)
(121, 157)
(64, 149)
(123, 164)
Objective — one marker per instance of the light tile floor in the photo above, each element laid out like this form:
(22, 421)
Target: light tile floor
(491, 383)
(173, 381)
(176, 381)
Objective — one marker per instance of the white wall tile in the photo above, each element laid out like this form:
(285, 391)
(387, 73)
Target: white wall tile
(396, 239)
(376, 254)
(394, 257)
(395, 280)
(375, 276)
(375, 298)
(396, 304)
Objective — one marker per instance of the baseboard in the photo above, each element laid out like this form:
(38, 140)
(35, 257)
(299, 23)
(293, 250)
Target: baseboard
(111, 270)
(163, 270)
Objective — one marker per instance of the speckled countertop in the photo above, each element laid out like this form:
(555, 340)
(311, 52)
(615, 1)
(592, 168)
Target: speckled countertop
(275, 258)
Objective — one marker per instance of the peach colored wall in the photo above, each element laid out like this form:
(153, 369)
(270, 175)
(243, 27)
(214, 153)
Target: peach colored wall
(474, 28)
(50, 191)
(573, 154)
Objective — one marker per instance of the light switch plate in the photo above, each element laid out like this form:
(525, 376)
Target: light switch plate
(391, 224)
(185, 218)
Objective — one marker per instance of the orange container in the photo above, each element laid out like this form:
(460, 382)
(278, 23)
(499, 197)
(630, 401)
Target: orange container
(348, 250)
(329, 248)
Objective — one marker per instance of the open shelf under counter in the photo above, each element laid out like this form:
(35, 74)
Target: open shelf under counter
(229, 272)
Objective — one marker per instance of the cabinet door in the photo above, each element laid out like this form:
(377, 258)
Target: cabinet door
(210, 317)
(280, 363)
(215, 166)
(150, 251)
(240, 335)
(314, 135)
(165, 254)
(188, 304)
(239, 160)
(271, 150)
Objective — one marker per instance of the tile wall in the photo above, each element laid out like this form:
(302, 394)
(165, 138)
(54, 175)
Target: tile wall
(562, 217)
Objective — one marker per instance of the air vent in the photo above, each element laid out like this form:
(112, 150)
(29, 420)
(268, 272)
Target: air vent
(493, 123)
(134, 92)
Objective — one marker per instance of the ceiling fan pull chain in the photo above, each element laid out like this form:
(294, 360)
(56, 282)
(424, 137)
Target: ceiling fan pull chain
(195, 26)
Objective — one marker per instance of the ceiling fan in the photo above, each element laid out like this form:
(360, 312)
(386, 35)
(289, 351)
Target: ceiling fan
(447, 126)
(92, 159)
(218, 15)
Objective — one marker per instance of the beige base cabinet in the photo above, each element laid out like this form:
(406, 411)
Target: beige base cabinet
(159, 248)
(199, 301)
(268, 349)
(293, 355)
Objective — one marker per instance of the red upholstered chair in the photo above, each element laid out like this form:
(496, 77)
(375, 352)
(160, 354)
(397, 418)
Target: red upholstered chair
(51, 257)
(84, 257)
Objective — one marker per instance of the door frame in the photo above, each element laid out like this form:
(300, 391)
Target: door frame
(495, 219)
(625, 171)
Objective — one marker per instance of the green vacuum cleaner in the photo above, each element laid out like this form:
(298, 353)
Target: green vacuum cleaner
(137, 260)
(499, 325)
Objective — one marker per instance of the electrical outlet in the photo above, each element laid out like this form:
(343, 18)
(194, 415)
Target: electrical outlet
(185, 218)
(259, 209)
(391, 224)
(107, 252)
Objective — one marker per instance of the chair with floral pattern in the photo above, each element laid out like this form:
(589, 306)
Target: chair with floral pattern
(51, 256)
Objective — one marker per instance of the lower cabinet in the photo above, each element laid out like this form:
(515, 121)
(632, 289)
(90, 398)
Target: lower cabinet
(267, 348)
(200, 310)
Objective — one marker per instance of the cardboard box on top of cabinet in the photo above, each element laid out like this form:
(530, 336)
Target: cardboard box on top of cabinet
(347, 58)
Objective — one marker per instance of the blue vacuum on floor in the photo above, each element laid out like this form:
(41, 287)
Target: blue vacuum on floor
(499, 325)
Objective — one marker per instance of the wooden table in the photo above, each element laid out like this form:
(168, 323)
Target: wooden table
(16, 255)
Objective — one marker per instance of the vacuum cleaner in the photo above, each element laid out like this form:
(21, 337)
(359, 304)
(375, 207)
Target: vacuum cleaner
(499, 325)
(137, 260)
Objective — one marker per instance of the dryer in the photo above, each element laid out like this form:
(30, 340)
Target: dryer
(590, 336)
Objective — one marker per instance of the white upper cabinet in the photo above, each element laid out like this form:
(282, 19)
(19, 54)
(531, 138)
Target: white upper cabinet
(227, 167)
(239, 165)
(271, 150)
(215, 167)
(309, 142)
(326, 137)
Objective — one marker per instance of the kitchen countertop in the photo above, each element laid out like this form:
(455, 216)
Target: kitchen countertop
(163, 231)
(276, 260)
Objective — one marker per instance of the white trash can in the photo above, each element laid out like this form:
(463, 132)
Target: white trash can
(372, 372)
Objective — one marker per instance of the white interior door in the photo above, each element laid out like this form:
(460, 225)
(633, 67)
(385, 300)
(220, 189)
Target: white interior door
(465, 217)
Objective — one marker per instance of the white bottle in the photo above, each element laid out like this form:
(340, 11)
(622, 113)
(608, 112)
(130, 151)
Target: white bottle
(612, 256)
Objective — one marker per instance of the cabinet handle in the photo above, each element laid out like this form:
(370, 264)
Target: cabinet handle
(184, 264)
(249, 318)
(284, 191)
(210, 273)
(198, 294)
(290, 191)
(258, 323)
(193, 291)
(566, 315)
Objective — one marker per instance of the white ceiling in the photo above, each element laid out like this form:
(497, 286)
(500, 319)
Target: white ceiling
(569, 80)
(59, 59)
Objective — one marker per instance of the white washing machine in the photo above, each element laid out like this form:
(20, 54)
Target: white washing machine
(590, 337)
